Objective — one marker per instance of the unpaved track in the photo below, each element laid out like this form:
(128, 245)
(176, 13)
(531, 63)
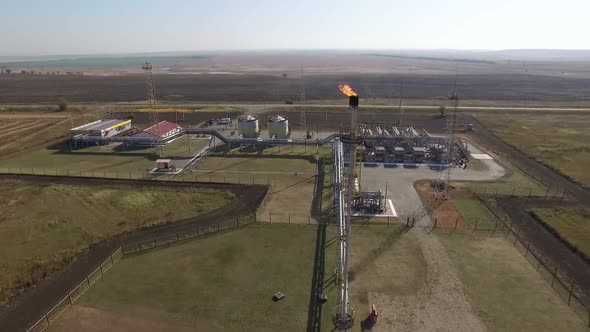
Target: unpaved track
(441, 305)
(33, 303)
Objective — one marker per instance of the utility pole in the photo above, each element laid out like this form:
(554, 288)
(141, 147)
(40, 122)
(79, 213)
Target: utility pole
(401, 97)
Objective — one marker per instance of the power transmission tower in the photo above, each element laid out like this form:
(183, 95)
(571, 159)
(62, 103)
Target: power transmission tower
(151, 93)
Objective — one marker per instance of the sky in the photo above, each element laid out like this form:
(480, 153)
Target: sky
(46, 27)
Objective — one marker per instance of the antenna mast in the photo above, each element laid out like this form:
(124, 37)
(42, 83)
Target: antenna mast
(451, 122)
(151, 93)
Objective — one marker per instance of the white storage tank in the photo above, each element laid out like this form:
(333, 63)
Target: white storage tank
(248, 126)
(278, 127)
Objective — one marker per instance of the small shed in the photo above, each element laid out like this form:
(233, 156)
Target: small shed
(164, 164)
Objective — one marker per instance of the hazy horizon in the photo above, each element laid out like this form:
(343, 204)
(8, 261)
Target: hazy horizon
(68, 27)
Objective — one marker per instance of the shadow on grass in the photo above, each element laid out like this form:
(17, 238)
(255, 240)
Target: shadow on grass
(314, 315)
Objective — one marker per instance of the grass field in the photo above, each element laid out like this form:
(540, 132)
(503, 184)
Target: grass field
(572, 225)
(290, 172)
(225, 283)
(507, 292)
(110, 160)
(44, 226)
(560, 141)
(473, 211)
(516, 182)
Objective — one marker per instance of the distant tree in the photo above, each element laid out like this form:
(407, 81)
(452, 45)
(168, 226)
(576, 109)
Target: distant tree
(284, 74)
(8, 70)
(23, 72)
(62, 104)
(443, 111)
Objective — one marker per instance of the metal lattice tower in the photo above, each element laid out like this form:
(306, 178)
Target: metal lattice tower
(451, 122)
(151, 93)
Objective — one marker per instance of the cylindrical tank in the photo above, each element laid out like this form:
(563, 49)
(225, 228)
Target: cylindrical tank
(278, 127)
(248, 126)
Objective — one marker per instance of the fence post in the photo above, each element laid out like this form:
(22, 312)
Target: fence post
(540, 260)
(554, 274)
(289, 218)
(516, 238)
(570, 297)
(495, 228)
(270, 217)
(475, 228)
(527, 248)
(309, 220)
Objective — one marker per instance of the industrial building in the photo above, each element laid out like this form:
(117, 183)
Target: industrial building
(392, 144)
(248, 126)
(278, 127)
(163, 132)
(99, 131)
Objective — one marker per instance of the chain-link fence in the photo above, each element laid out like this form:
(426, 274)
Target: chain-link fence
(190, 233)
(66, 301)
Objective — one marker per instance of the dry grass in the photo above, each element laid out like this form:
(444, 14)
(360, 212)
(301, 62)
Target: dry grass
(44, 226)
(507, 292)
(571, 224)
(560, 141)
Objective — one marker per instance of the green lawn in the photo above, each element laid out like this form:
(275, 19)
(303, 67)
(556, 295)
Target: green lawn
(109, 161)
(560, 141)
(572, 224)
(42, 226)
(224, 282)
(506, 291)
(473, 211)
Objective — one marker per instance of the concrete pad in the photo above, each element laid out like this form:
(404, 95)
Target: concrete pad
(481, 156)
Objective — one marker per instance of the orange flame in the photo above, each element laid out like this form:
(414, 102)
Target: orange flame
(347, 90)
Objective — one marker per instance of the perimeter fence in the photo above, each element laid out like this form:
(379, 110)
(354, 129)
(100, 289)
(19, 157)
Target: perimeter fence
(68, 299)
(158, 241)
(499, 223)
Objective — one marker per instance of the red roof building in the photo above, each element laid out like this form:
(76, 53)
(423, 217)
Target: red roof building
(164, 129)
